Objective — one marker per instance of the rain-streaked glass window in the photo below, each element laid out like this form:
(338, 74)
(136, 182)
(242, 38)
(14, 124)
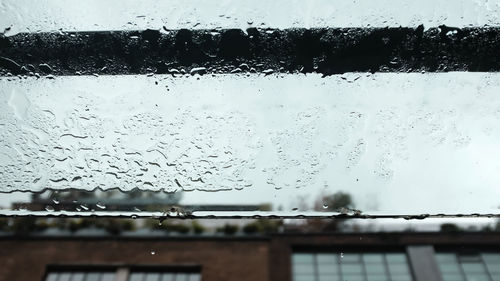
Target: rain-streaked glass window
(249, 103)
(80, 276)
(164, 276)
(350, 266)
(469, 267)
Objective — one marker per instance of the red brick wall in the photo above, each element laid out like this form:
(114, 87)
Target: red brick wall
(229, 258)
(220, 260)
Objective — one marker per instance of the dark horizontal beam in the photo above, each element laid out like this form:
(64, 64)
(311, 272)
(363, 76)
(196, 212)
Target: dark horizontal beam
(324, 50)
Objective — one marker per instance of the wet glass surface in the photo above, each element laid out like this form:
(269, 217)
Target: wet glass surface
(395, 143)
(252, 140)
(249, 140)
(54, 15)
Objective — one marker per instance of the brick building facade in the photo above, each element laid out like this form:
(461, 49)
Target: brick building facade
(218, 258)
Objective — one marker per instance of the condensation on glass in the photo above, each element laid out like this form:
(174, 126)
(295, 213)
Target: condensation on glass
(54, 15)
(397, 143)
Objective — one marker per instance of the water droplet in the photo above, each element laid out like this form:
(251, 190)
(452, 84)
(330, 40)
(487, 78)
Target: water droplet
(100, 206)
(268, 71)
(325, 206)
(55, 200)
(341, 255)
(134, 217)
(45, 67)
(49, 208)
(153, 253)
(198, 70)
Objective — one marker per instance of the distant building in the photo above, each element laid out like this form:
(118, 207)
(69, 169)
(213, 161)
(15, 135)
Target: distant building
(274, 257)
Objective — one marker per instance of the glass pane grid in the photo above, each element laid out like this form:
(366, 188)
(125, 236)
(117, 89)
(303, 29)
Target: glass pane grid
(164, 276)
(80, 276)
(470, 267)
(133, 276)
(350, 266)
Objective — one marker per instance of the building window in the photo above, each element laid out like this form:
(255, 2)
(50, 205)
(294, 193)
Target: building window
(164, 276)
(469, 267)
(125, 274)
(80, 276)
(350, 266)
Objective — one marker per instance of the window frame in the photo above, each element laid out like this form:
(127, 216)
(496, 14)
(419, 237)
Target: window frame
(123, 271)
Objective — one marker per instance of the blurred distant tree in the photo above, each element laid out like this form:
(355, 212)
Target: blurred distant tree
(197, 227)
(335, 202)
(229, 229)
(135, 193)
(487, 228)
(172, 225)
(263, 226)
(4, 224)
(450, 227)
(251, 228)
(266, 207)
(24, 225)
